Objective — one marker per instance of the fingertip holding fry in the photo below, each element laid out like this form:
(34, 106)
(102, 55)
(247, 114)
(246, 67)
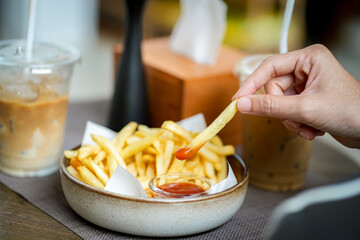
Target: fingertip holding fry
(244, 104)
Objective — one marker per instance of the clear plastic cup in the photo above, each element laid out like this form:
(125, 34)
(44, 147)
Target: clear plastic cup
(33, 106)
(277, 158)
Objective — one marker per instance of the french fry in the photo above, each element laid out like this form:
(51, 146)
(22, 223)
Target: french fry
(124, 133)
(111, 164)
(140, 134)
(221, 168)
(177, 129)
(216, 140)
(70, 153)
(176, 166)
(144, 128)
(86, 151)
(140, 165)
(100, 156)
(192, 163)
(132, 139)
(100, 173)
(89, 178)
(159, 159)
(209, 155)
(150, 170)
(209, 170)
(150, 150)
(132, 169)
(107, 145)
(140, 145)
(220, 150)
(208, 133)
(145, 183)
(75, 162)
(168, 152)
(73, 172)
(146, 158)
(101, 165)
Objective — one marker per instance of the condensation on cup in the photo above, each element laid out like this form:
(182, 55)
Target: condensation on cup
(277, 158)
(33, 106)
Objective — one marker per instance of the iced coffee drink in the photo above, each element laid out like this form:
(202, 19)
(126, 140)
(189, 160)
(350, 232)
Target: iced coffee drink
(33, 106)
(277, 158)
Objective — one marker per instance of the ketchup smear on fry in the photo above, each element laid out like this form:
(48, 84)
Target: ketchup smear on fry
(186, 153)
(181, 188)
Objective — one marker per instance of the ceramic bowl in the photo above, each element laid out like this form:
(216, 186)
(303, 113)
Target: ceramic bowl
(155, 217)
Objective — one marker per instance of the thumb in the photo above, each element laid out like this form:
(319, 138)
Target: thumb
(283, 107)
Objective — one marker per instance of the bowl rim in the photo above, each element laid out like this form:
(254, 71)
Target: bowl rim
(241, 182)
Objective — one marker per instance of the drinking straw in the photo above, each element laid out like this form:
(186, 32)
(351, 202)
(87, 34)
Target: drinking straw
(30, 29)
(285, 25)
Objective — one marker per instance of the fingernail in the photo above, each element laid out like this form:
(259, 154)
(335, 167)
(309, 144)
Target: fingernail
(244, 104)
(304, 135)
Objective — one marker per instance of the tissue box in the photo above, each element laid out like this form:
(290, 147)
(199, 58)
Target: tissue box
(179, 88)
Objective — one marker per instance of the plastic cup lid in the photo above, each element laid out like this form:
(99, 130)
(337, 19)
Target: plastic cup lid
(45, 54)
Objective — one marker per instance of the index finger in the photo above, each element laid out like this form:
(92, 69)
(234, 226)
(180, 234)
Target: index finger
(273, 66)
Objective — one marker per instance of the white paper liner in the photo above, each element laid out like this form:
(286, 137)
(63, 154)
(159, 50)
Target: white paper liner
(123, 182)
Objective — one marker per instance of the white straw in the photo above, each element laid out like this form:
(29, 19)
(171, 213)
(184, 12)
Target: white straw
(285, 25)
(30, 29)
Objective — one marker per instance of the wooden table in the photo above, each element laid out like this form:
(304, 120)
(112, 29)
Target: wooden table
(22, 220)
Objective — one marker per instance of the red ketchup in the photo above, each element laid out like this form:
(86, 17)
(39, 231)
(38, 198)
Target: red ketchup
(186, 152)
(181, 188)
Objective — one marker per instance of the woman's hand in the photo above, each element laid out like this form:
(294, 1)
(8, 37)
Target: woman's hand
(309, 91)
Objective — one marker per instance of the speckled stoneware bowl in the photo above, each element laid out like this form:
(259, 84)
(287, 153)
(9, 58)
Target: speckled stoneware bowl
(155, 217)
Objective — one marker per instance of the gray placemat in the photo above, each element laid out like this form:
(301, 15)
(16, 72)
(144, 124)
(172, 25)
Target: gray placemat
(250, 222)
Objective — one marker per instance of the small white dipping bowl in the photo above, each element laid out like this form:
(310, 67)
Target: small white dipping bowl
(155, 217)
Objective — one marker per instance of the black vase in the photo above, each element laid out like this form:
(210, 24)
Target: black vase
(130, 99)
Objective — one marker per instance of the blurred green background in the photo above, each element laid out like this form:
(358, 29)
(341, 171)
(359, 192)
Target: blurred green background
(252, 25)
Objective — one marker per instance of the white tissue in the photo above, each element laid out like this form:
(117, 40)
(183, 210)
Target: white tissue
(123, 182)
(200, 29)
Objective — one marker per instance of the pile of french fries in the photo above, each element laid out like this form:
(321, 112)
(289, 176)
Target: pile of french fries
(147, 152)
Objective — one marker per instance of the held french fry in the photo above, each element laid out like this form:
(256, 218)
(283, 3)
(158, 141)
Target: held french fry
(193, 147)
